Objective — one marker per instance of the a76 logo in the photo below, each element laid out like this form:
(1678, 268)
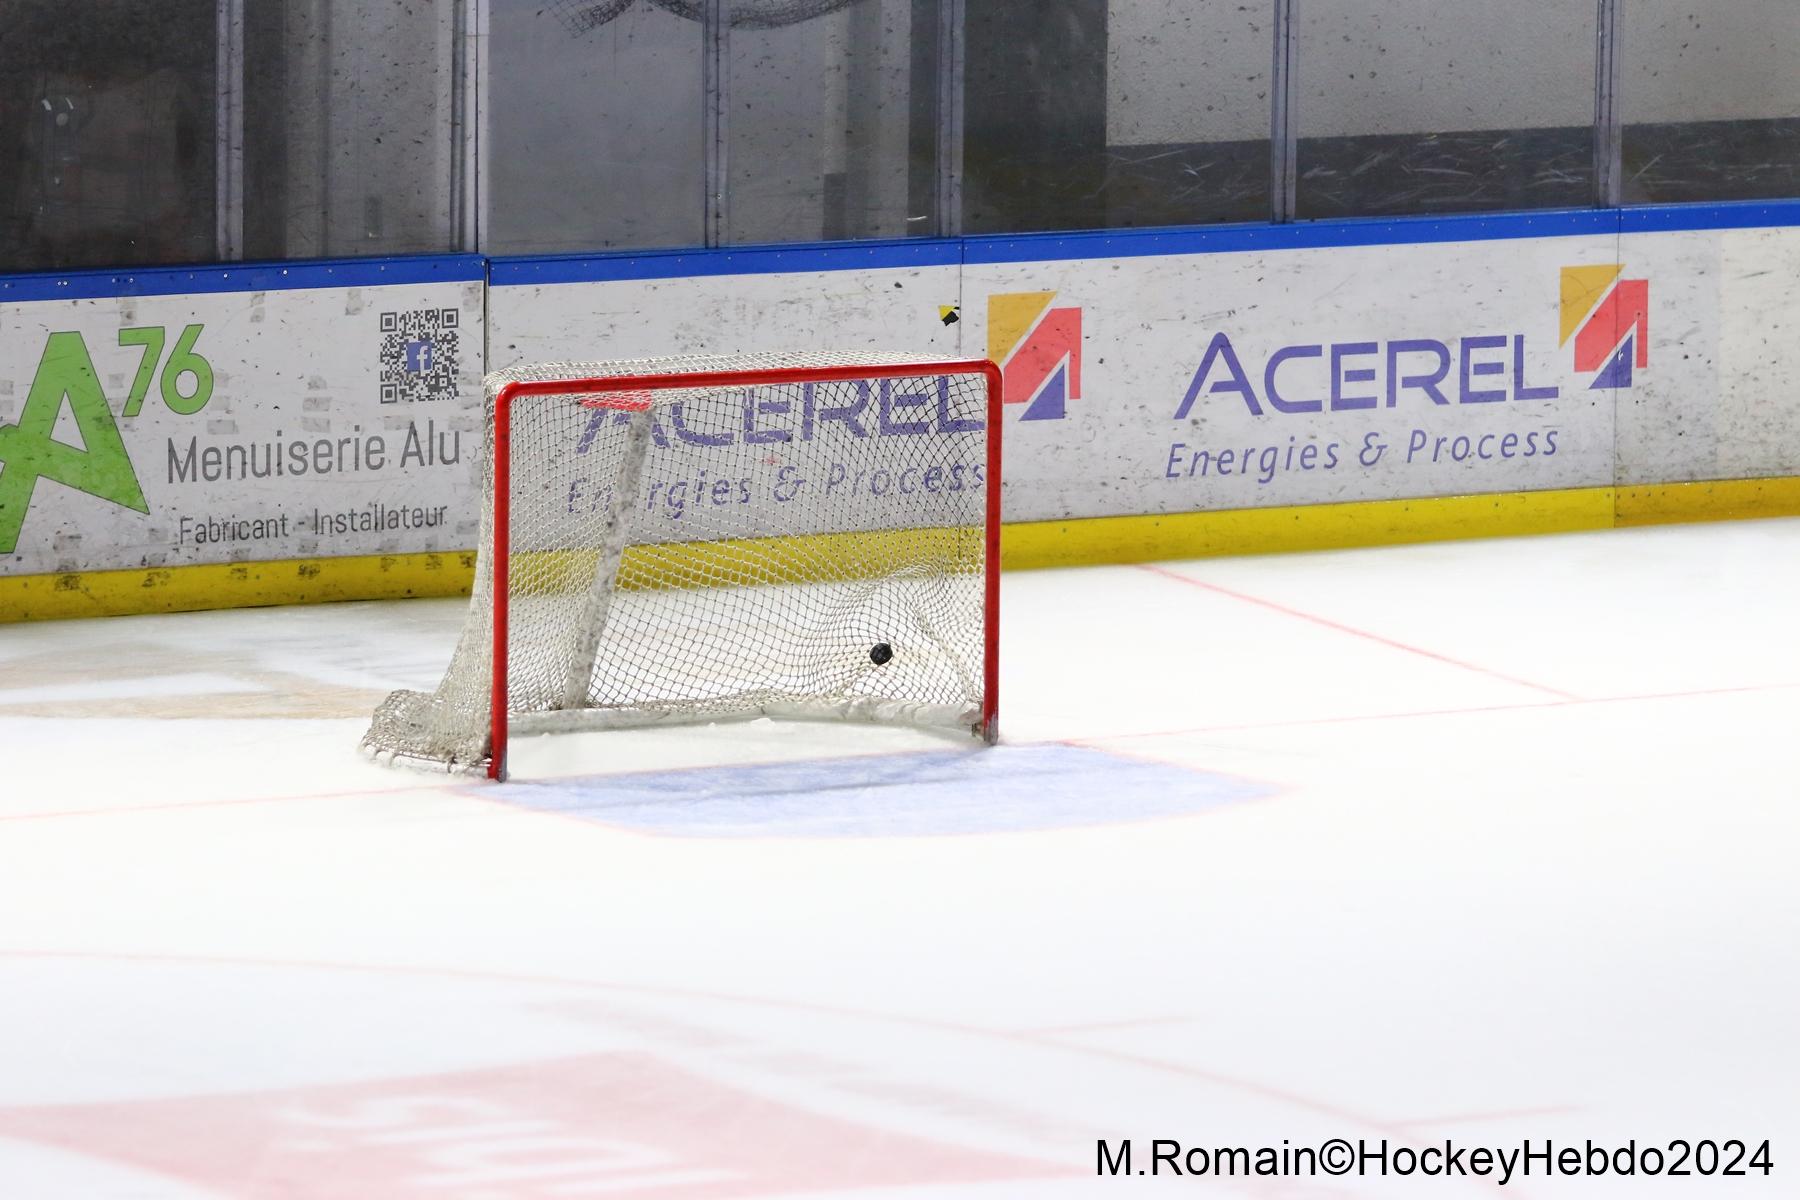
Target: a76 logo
(101, 467)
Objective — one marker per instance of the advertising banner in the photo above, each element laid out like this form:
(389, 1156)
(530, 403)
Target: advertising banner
(1241, 380)
(323, 411)
(884, 454)
(240, 425)
(1206, 381)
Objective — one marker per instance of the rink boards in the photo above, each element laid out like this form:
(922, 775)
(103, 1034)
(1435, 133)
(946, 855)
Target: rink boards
(179, 439)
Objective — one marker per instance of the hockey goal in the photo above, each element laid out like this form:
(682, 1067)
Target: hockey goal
(702, 538)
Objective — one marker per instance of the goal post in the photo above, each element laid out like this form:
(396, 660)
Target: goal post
(703, 538)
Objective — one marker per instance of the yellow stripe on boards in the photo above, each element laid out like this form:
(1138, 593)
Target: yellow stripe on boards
(1303, 527)
(1083, 542)
(1714, 500)
(234, 585)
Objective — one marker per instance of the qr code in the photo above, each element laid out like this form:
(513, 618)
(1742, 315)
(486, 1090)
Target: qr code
(419, 355)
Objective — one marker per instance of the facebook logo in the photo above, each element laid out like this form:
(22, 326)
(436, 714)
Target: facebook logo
(418, 357)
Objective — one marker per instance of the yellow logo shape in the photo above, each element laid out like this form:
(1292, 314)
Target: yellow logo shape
(1010, 318)
(1582, 288)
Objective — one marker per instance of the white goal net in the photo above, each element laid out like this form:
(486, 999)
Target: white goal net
(710, 537)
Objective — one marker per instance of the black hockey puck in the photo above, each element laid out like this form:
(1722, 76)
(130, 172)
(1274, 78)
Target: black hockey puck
(880, 652)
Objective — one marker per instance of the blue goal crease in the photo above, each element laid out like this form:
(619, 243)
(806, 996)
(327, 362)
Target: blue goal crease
(998, 790)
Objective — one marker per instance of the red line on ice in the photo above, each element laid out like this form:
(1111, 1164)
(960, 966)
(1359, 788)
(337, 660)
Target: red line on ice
(1354, 632)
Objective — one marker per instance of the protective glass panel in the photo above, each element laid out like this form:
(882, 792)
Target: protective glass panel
(1093, 115)
(1187, 114)
(1034, 149)
(594, 126)
(1414, 106)
(1710, 97)
(349, 144)
(832, 119)
(107, 127)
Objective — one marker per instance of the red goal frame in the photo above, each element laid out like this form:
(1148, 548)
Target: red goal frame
(626, 392)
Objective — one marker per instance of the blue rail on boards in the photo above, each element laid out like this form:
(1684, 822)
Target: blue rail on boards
(243, 277)
(735, 260)
(1677, 218)
(982, 249)
(1300, 235)
(994, 249)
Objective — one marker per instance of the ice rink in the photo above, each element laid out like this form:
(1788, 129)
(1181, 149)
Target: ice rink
(1485, 842)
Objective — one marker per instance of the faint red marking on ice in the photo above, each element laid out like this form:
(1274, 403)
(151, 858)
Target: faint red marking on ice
(614, 1124)
(1352, 630)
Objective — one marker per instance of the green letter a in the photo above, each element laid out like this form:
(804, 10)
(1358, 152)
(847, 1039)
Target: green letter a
(28, 452)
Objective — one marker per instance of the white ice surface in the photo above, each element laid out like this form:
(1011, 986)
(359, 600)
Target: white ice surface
(1514, 853)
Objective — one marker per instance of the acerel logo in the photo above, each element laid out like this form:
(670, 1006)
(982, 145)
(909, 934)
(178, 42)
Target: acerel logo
(1609, 318)
(1039, 351)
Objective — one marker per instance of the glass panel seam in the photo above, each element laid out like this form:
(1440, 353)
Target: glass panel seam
(1608, 144)
(1283, 143)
